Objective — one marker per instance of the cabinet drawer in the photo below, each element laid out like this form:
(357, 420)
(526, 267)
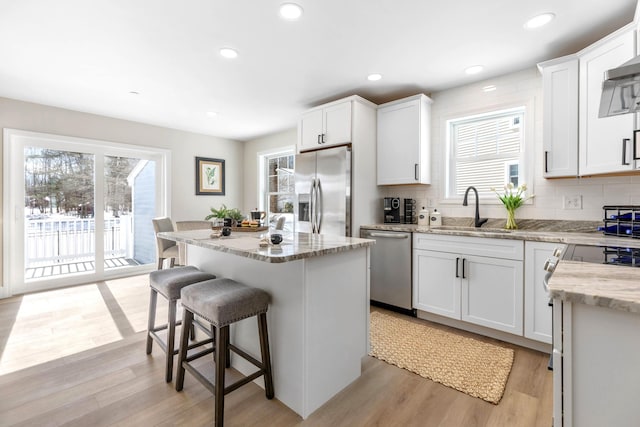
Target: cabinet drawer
(481, 246)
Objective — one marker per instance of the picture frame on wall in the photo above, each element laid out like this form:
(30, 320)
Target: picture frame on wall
(210, 177)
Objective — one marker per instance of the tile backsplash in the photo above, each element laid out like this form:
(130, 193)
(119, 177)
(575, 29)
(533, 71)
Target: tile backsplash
(523, 86)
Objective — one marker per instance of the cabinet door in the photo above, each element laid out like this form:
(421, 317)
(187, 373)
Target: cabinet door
(399, 143)
(560, 123)
(311, 129)
(337, 124)
(537, 312)
(492, 293)
(602, 140)
(436, 289)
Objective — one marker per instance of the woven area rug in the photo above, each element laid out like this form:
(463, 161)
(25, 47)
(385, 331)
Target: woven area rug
(473, 367)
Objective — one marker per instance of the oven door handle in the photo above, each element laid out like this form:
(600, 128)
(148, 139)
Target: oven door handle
(545, 282)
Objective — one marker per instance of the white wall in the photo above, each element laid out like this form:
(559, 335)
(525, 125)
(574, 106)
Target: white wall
(266, 144)
(184, 147)
(524, 85)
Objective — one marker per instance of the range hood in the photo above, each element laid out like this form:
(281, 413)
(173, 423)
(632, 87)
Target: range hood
(621, 90)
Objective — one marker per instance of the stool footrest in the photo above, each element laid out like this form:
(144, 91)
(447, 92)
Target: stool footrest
(198, 355)
(246, 356)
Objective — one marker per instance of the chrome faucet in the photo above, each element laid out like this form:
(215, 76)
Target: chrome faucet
(478, 221)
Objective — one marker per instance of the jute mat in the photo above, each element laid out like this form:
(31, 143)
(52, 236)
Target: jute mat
(473, 367)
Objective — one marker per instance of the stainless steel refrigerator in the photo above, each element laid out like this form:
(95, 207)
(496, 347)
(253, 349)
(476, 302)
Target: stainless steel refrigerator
(323, 191)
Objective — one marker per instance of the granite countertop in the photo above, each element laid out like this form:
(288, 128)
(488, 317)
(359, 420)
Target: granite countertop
(600, 285)
(246, 244)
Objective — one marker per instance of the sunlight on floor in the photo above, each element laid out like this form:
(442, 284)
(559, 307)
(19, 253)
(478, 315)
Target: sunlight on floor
(52, 324)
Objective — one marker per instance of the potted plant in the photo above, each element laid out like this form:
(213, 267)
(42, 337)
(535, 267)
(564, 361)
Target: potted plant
(219, 214)
(223, 212)
(236, 216)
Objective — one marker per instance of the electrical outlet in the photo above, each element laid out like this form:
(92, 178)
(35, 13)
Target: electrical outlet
(429, 203)
(572, 202)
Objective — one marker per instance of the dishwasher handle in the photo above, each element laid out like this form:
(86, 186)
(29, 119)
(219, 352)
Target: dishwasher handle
(389, 235)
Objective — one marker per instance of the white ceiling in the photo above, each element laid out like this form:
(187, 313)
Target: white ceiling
(87, 55)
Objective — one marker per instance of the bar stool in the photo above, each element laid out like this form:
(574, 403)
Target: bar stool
(169, 283)
(223, 302)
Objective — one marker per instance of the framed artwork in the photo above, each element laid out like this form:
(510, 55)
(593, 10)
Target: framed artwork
(209, 177)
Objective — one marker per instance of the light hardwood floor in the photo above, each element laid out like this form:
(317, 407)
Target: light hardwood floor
(76, 357)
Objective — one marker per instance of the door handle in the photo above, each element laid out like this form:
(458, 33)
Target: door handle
(390, 235)
(463, 275)
(319, 139)
(318, 205)
(457, 262)
(312, 203)
(415, 172)
(546, 161)
(322, 139)
(635, 147)
(624, 151)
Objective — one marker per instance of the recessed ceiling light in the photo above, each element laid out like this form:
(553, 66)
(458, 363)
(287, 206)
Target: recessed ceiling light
(539, 20)
(474, 69)
(212, 113)
(374, 77)
(290, 11)
(489, 88)
(227, 52)
(133, 92)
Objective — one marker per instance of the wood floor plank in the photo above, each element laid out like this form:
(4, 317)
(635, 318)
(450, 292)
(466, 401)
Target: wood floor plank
(100, 375)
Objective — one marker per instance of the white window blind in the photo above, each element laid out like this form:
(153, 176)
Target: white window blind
(485, 151)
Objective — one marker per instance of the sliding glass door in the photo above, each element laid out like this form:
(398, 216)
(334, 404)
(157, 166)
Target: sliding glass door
(79, 210)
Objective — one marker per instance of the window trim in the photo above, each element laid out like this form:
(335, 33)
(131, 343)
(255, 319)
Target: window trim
(263, 193)
(527, 160)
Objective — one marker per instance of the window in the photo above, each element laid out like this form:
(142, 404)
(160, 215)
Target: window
(485, 151)
(279, 185)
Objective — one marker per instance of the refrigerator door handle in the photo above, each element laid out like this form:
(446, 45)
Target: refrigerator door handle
(318, 204)
(312, 207)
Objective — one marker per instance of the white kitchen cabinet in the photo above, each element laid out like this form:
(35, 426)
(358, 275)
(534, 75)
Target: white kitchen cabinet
(435, 288)
(605, 144)
(537, 312)
(560, 116)
(404, 141)
(473, 279)
(325, 126)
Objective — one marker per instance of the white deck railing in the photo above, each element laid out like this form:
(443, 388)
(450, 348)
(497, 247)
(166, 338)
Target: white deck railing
(55, 241)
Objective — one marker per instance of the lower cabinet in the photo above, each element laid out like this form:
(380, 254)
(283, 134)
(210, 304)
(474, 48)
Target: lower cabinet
(537, 312)
(453, 278)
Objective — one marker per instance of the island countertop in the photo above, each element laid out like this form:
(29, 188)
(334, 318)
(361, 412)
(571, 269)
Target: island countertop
(247, 244)
(599, 285)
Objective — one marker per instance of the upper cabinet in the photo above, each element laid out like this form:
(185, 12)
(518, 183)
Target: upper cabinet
(403, 147)
(560, 117)
(326, 125)
(576, 141)
(605, 143)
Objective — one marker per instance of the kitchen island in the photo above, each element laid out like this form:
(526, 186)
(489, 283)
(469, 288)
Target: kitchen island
(596, 342)
(318, 318)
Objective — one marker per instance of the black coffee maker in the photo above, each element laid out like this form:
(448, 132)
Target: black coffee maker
(391, 210)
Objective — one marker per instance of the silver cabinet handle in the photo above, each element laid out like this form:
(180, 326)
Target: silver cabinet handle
(416, 172)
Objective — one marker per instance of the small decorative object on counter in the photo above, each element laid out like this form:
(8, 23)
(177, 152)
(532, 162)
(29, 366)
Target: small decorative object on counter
(423, 216)
(435, 219)
(512, 199)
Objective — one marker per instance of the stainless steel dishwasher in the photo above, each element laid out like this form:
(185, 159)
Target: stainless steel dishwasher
(391, 269)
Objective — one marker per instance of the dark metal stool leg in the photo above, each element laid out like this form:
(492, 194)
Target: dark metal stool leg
(171, 338)
(187, 320)
(222, 338)
(266, 355)
(153, 298)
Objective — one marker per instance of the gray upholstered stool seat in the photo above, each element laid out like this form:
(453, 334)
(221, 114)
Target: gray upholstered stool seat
(169, 283)
(222, 302)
